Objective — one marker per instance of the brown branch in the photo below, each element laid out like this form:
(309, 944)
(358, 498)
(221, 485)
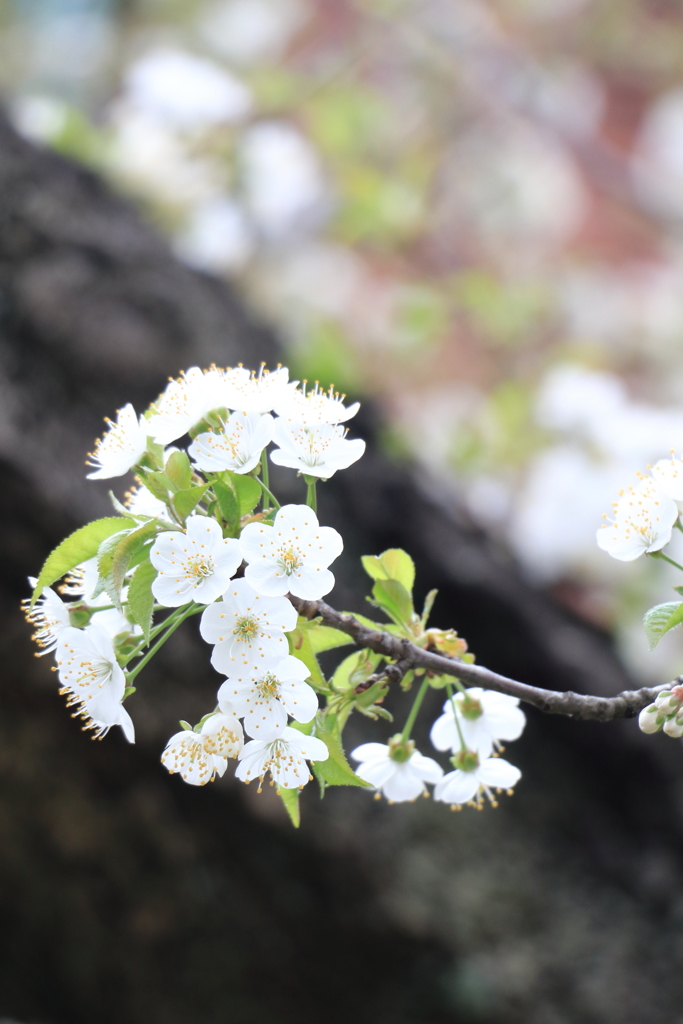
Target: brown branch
(577, 705)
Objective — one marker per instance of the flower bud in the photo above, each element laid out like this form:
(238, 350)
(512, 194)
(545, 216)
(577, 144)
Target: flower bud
(674, 728)
(650, 719)
(667, 701)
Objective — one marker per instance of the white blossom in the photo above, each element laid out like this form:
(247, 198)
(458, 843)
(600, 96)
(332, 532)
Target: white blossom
(49, 616)
(193, 566)
(396, 769)
(198, 756)
(141, 502)
(312, 408)
(668, 475)
(317, 450)
(94, 681)
(484, 717)
(475, 779)
(643, 520)
(121, 447)
(292, 555)
(284, 757)
(81, 583)
(189, 398)
(236, 447)
(259, 392)
(247, 629)
(265, 699)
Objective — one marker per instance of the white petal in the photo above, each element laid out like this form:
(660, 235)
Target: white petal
(370, 752)
(498, 773)
(457, 787)
(403, 784)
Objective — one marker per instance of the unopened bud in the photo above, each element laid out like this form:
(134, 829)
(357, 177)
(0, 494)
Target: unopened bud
(650, 720)
(674, 728)
(666, 701)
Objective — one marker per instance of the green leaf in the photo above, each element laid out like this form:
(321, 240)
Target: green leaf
(300, 646)
(336, 770)
(355, 669)
(77, 548)
(140, 601)
(660, 619)
(290, 798)
(248, 492)
(157, 484)
(105, 562)
(186, 501)
(227, 502)
(393, 598)
(392, 564)
(118, 507)
(323, 638)
(179, 471)
(126, 549)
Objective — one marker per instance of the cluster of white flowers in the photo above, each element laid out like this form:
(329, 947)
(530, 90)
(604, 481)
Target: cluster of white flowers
(471, 727)
(307, 430)
(202, 533)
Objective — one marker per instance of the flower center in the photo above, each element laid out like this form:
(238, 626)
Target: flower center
(470, 708)
(465, 760)
(200, 568)
(269, 686)
(290, 561)
(400, 750)
(246, 628)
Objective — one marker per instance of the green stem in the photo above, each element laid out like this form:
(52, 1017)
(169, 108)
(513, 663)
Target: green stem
(187, 611)
(264, 468)
(449, 691)
(152, 634)
(678, 525)
(311, 497)
(266, 490)
(407, 729)
(660, 554)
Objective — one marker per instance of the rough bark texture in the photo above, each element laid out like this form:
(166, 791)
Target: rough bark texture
(127, 896)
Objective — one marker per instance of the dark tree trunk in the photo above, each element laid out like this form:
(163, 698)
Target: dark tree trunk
(127, 896)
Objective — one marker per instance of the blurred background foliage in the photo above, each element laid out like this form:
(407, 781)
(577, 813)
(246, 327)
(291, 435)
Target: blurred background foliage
(469, 210)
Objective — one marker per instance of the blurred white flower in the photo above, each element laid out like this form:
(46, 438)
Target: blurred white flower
(250, 30)
(247, 630)
(657, 163)
(141, 502)
(193, 566)
(237, 446)
(292, 555)
(49, 616)
(184, 91)
(484, 716)
(643, 520)
(94, 681)
(216, 237)
(81, 582)
(121, 447)
(283, 182)
(398, 780)
(149, 158)
(474, 779)
(318, 450)
(668, 475)
(285, 758)
(265, 699)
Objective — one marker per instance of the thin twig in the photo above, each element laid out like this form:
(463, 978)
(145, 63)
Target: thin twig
(577, 705)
